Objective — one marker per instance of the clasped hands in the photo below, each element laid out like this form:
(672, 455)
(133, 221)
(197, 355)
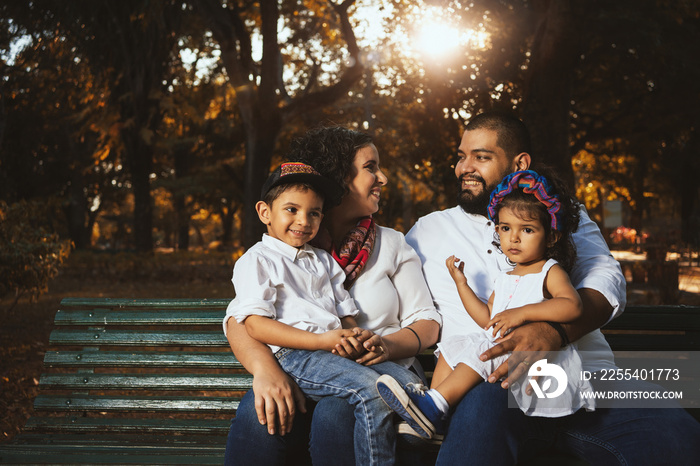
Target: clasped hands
(359, 344)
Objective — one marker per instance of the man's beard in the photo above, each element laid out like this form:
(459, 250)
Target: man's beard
(476, 204)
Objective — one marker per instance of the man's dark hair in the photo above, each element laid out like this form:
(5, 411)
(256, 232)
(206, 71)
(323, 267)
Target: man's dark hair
(330, 150)
(513, 136)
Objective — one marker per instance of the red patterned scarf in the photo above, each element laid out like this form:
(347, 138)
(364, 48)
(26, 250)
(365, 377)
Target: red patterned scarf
(354, 251)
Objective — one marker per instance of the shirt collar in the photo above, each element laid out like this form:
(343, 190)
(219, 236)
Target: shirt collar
(286, 250)
(475, 217)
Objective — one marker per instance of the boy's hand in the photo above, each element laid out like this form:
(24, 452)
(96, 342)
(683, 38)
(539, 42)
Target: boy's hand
(328, 341)
(456, 268)
(505, 321)
(352, 348)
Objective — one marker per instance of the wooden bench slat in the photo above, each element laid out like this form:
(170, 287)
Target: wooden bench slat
(146, 381)
(100, 317)
(146, 303)
(685, 318)
(68, 403)
(101, 337)
(114, 439)
(223, 360)
(76, 454)
(662, 342)
(121, 425)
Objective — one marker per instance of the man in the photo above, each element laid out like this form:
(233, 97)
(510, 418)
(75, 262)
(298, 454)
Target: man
(483, 430)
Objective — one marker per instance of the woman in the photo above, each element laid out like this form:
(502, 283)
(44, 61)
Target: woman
(385, 279)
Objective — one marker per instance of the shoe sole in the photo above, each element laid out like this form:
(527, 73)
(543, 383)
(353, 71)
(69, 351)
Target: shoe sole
(396, 398)
(403, 428)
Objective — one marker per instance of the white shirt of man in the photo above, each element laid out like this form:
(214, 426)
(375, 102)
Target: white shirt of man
(470, 238)
(302, 288)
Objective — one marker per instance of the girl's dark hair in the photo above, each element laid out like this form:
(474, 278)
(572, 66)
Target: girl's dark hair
(528, 206)
(330, 150)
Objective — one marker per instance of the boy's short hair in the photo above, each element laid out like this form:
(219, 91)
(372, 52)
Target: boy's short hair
(304, 176)
(276, 191)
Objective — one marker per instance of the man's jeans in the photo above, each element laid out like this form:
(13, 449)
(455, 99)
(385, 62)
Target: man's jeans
(322, 374)
(483, 430)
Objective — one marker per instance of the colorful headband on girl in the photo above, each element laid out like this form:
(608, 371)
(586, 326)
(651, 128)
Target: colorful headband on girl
(531, 183)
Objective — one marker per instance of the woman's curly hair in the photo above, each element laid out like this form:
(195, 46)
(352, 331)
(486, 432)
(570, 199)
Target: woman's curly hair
(330, 150)
(528, 207)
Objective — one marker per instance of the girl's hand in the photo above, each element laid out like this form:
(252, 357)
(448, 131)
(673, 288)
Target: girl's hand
(328, 341)
(505, 321)
(377, 351)
(351, 347)
(456, 268)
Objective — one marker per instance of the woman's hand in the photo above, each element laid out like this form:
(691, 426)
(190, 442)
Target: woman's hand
(506, 321)
(277, 399)
(377, 351)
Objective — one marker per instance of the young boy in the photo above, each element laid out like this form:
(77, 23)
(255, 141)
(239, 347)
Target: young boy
(290, 296)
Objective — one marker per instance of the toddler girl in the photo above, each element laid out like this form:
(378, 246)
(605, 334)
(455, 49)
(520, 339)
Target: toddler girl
(534, 223)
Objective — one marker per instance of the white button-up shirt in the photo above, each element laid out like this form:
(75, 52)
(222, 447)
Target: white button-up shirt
(302, 288)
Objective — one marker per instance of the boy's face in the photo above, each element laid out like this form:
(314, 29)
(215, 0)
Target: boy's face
(294, 217)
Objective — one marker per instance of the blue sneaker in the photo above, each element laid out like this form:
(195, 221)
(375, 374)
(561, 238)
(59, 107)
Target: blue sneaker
(413, 406)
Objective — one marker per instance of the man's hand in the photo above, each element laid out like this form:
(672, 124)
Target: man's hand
(277, 398)
(538, 338)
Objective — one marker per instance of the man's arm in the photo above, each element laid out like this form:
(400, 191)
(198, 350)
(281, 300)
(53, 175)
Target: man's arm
(276, 395)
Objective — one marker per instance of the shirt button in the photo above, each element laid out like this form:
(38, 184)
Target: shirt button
(489, 251)
(488, 224)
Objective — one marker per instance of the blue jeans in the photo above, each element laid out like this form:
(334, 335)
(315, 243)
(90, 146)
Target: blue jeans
(483, 430)
(327, 432)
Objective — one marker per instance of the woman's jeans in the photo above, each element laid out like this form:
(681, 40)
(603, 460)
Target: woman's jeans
(335, 381)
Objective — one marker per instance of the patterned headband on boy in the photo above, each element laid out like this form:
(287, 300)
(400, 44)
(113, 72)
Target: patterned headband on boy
(531, 183)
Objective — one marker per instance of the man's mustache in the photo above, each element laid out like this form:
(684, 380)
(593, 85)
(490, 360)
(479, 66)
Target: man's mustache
(472, 178)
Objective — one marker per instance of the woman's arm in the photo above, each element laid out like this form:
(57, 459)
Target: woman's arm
(277, 397)
(406, 344)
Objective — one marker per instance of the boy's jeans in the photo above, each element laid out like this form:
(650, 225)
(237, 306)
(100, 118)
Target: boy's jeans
(320, 374)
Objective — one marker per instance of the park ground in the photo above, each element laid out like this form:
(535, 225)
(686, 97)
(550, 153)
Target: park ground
(24, 330)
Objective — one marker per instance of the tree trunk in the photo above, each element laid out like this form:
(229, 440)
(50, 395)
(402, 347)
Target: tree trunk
(140, 163)
(548, 86)
(261, 139)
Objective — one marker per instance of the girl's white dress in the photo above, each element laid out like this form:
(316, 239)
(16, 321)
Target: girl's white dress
(513, 291)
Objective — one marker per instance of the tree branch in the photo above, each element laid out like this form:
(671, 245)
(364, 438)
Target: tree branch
(313, 100)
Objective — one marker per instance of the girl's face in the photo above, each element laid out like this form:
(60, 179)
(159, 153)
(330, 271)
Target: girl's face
(523, 240)
(364, 184)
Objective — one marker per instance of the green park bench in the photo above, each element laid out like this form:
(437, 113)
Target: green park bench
(154, 381)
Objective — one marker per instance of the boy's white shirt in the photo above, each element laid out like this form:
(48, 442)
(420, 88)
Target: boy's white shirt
(439, 235)
(390, 293)
(302, 287)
